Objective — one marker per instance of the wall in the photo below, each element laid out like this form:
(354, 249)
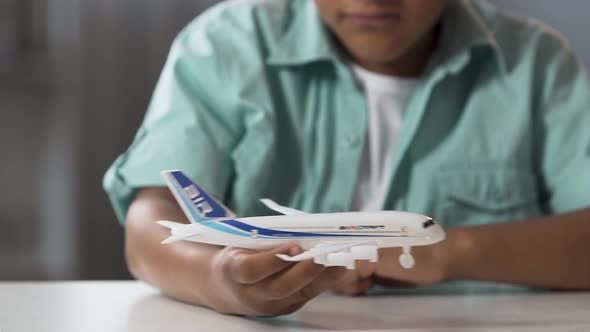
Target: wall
(124, 47)
(70, 102)
(570, 17)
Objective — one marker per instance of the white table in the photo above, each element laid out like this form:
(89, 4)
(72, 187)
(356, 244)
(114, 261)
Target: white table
(136, 307)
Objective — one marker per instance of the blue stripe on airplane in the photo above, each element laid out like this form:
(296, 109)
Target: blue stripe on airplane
(276, 233)
(223, 228)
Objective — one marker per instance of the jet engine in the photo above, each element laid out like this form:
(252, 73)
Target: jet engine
(365, 252)
(341, 259)
(321, 259)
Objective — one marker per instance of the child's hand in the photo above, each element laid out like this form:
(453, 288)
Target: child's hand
(357, 281)
(260, 284)
(430, 266)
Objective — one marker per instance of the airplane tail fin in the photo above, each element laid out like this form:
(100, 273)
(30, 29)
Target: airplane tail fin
(196, 203)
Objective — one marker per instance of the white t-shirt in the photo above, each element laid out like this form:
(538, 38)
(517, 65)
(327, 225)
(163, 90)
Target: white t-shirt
(386, 98)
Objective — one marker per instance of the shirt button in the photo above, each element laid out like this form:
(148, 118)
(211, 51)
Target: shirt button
(352, 141)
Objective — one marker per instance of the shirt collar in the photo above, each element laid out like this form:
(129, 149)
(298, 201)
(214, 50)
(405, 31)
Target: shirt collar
(464, 29)
(307, 40)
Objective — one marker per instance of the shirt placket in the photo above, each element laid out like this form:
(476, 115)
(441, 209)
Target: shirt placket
(350, 140)
(415, 112)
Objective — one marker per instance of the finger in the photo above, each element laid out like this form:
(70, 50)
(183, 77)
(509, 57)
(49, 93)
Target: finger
(297, 300)
(327, 280)
(363, 286)
(389, 282)
(331, 277)
(365, 269)
(250, 268)
(348, 278)
(353, 283)
(356, 287)
(275, 308)
(289, 281)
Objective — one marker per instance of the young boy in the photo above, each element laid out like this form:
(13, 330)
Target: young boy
(447, 108)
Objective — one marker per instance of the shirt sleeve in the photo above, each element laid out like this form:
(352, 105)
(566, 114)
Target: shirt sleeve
(564, 128)
(187, 126)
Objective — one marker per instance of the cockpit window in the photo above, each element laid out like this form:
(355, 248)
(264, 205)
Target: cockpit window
(428, 223)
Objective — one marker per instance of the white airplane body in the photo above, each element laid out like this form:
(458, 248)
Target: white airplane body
(331, 239)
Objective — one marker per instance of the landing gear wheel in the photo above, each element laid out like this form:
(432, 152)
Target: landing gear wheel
(406, 260)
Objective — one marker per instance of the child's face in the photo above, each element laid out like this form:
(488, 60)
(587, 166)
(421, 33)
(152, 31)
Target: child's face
(380, 31)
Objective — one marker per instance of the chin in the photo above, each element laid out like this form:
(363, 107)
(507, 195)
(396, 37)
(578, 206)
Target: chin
(376, 51)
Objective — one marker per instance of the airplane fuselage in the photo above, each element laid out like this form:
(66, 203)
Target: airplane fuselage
(382, 228)
(330, 239)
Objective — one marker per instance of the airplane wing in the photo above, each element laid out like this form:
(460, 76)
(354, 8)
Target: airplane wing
(281, 209)
(337, 253)
(178, 231)
(320, 249)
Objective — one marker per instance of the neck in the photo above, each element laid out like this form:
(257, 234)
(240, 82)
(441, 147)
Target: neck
(411, 63)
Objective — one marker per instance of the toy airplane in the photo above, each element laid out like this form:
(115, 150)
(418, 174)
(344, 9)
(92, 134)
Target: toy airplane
(331, 239)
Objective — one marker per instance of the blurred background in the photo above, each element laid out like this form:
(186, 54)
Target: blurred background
(75, 80)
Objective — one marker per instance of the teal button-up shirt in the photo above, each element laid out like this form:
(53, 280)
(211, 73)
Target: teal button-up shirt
(256, 101)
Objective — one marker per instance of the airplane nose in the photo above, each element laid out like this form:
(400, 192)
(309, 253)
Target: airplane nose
(436, 233)
(439, 233)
